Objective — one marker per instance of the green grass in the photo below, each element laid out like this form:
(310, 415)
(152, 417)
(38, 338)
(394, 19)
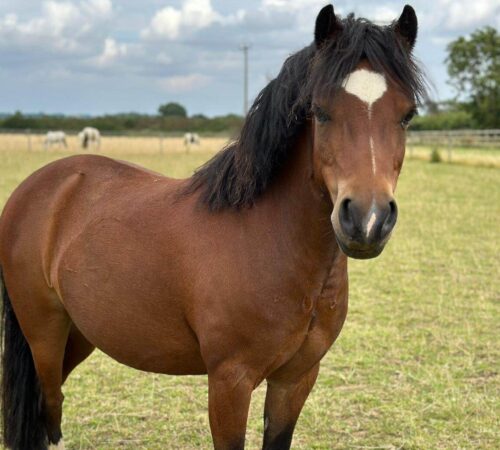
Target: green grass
(416, 366)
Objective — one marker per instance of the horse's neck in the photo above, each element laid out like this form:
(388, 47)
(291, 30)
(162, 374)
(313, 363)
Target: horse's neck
(301, 210)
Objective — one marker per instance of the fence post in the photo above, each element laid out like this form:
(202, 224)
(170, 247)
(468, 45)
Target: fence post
(28, 135)
(161, 143)
(410, 147)
(449, 146)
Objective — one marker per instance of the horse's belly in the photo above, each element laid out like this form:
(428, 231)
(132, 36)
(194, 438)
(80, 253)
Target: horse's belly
(125, 304)
(153, 343)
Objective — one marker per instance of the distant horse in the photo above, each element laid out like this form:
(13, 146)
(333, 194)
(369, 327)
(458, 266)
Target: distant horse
(89, 136)
(191, 139)
(55, 138)
(239, 272)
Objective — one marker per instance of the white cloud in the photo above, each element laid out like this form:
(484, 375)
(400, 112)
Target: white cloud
(292, 4)
(384, 14)
(57, 17)
(164, 59)
(111, 52)
(194, 15)
(184, 83)
(460, 15)
(300, 15)
(100, 8)
(60, 26)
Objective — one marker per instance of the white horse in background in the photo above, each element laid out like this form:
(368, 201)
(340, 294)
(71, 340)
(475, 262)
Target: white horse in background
(191, 139)
(88, 136)
(55, 138)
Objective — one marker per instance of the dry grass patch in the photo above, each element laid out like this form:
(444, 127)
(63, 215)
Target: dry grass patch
(113, 145)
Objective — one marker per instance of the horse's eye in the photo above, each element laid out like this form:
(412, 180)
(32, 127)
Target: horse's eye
(321, 115)
(405, 122)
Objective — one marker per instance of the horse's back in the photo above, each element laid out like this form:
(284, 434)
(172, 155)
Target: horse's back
(61, 195)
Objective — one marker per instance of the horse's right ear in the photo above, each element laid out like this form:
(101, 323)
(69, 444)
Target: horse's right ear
(407, 26)
(327, 25)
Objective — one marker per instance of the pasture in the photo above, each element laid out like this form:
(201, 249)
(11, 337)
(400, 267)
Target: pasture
(111, 144)
(415, 367)
(116, 145)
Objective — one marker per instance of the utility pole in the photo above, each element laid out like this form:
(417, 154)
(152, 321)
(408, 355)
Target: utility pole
(245, 48)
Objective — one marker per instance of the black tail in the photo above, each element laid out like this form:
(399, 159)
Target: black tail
(22, 401)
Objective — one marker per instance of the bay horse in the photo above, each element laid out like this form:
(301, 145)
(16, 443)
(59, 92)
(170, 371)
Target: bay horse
(239, 272)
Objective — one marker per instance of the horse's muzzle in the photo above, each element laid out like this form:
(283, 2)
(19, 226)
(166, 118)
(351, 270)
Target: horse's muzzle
(362, 233)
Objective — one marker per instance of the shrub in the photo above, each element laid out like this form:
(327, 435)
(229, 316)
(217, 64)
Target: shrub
(435, 156)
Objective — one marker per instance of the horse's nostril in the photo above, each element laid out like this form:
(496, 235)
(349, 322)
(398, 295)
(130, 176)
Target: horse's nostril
(390, 220)
(346, 217)
(345, 206)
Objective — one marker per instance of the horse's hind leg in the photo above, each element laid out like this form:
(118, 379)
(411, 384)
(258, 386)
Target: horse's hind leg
(77, 350)
(35, 330)
(48, 344)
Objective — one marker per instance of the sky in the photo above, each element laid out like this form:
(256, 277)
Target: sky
(108, 56)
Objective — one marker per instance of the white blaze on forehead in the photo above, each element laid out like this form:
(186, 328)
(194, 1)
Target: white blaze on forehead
(367, 85)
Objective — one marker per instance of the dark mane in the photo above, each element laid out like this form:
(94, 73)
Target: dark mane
(240, 173)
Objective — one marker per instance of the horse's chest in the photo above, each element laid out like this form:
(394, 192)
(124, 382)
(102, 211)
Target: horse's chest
(326, 314)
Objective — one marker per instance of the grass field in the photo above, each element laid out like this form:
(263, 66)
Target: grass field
(117, 145)
(416, 366)
(472, 156)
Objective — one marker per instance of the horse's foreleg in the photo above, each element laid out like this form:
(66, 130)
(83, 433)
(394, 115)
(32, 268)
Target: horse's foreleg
(229, 395)
(284, 401)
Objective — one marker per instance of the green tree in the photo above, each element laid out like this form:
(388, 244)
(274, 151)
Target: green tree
(172, 110)
(474, 70)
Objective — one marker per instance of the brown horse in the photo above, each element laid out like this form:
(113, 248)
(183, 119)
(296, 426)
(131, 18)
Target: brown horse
(239, 272)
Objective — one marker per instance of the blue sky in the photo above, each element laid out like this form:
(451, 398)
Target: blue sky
(107, 56)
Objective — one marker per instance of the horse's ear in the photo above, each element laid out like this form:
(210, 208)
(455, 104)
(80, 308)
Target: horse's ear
(327, 25)
(406, 27)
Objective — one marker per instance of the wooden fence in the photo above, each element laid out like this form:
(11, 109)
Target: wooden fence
(455, 138)
(444, 140)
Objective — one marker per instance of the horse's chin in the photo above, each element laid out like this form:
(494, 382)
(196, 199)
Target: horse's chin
(360, 252)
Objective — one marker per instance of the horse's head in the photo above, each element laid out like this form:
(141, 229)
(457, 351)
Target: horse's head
(363, 95)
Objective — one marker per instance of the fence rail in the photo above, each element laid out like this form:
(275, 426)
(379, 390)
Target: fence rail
(455, 138)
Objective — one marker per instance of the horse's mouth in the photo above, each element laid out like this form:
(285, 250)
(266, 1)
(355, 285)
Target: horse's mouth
(358, 252)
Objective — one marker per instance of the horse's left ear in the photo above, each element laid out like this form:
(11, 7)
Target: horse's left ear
(406, 27)
(327, 25)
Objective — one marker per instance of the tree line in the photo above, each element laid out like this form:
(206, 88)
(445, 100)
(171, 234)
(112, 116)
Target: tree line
(129, 122)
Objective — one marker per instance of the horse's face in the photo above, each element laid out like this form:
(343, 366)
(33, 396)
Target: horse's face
(359, 146)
